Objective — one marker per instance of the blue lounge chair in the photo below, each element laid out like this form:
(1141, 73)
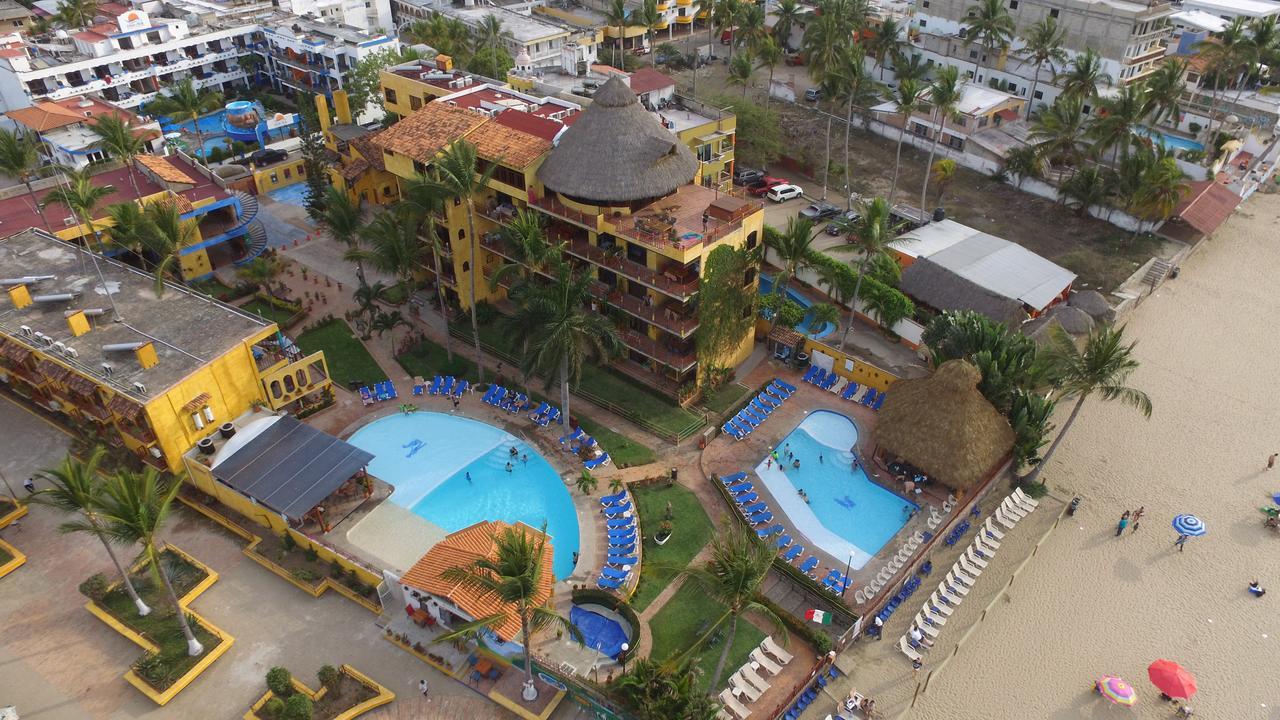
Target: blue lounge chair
(745, 421)
(617, 509)
(850, 390)
(784, 541)
(521, 402)
(870, 397)
(542, 408)
(488, 394)
(620, 523)
(879, 401)
(553, 415)
(418, 389)
(771, 530)
(829, 381)
(809, 564)
(731, 479)
(769, 401)
(461, 387)
(572, 437)
(760, 408)
(811, 373)
(732, 431)
(792, 553)
(625, 541)
(607, 584)
(755, 419)
(761, 518)
(788, 386)
(614, 574)
(754, 508)
(740, 488)
(392, 393)
(435, 385)
(608, 500)
(748, 498)
(446, 388)
(623, 550)
(366, 396)
(620, 561)
(493, 395)
(597, 462)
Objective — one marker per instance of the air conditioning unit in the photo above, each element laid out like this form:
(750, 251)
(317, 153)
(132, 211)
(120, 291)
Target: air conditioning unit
(155, 452)
(70, 221)
(60, 347)
(107, 370)
(25, 331)
(140, 388)
(71, 353)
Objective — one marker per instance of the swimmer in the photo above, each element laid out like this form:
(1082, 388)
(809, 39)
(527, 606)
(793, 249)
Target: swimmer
(820, 460)
(468, 476)
(525, 458)
(796, 464)
(508, 467)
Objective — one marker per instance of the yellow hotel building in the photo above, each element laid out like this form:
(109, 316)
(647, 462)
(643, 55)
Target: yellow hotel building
(87, 337)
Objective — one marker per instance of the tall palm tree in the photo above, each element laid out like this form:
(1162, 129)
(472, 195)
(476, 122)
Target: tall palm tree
(944, 95)
(1087, 187)
(655, 691)
(1043, 44)
(1118, 115)
(991, 27)
(786, 16)
(942, 173)
(909, 98)
(512, 578)
(849, 82)
(164, 236)
(183, 102)
(391, 246)
(262, 271)
(616, 16)
(387, 322)
(768, 55)
(1058, 132)
(120, 141)
(76, 13)
(732, 576)
(128, 225)
(526, 241)
(458, 172)
(1226, 54)
(885, 43)
(740, 71)
(557, 332)
(650, 18)
(826, 38)
(793, 249)
(869, 236)
(1164, 88)
(134, 508)
(1163, 186)
(1024, 162)
(488, 33)
(81, 195)
(367, 298)
(76, 489)
(421, 200)
(752, 30)
(725, 16)
(1083, 76)
(1102, 366)
(20, 158)
(341, 217)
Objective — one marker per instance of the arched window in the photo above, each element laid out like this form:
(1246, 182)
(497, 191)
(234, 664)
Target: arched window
(275, 389)
(301, 375)
(289, 385)
(752, 240)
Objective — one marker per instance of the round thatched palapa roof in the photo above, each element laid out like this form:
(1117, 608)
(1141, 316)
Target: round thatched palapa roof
(616, 152)
(942, 425)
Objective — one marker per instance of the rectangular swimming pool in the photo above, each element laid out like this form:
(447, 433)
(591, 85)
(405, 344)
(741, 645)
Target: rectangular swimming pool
(847, 515)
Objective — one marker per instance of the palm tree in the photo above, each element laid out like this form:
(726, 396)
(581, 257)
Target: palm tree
(1164, 89)
(725, 16)
(1163, 186)
(786, 15)
(1058, 131)
(1089, 186)
(732, 577)
(165, 234)
(76, 489)
(20, 158)
(1043, 44)
(942, 173)
(752, 30)
(367, 298)
(740, 70)
(989, 25)
(185, 102)
(76, 14)
(1084, 76)
(557, 332)
(81, 195)
(1024, 162)
(511, 578)
(885, 43)
(1102, 366)
(616, 16)
(488, 33)
(421, 200)
(387, 322)
(1225, 54)
(262, 271)
(391, 246)
(869, 236)
(1119, 114)
(825, 39)
(849, 83)
(341, 217)
(793, 249)
(944, 95)
(526, 241)
(768, 55)
(650, 18)
(120, 141)
(655, 691)
(457, 171)
(909, 98)
(128, 225)
(133, 510)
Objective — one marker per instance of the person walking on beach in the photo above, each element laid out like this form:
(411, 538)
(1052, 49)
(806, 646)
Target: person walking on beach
(1271, 461)
(422, 687)
(1181, 542)
(1256, 589)
(1137, 515)
(915, 667)
(1124, 523)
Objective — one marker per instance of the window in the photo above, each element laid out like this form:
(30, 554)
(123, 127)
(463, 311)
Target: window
(419, 167)
(386, 191)
(1013, 4)
(925, 3)
(153, 37)
(924, 23)
(1085, 110)
(1039, 95)
(389, 94)
(415, 102)
(973, 54)
(955, 142)
(287, 174)
(1053, 13)
(960, 120)
(982, 121)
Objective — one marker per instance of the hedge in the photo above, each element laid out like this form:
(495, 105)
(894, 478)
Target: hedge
(893, 304)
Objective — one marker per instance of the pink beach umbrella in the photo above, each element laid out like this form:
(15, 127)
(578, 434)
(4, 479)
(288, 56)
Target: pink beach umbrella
(1116, 690)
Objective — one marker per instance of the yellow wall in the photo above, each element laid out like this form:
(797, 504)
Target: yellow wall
(406, 88)
(864, 373)
(283, 369)
(262, 178)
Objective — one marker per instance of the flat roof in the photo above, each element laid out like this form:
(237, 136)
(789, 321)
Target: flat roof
(1200, 19)
(523, 29)
(186, 328)
(978, 99)
(1251, 8)
(492, 97)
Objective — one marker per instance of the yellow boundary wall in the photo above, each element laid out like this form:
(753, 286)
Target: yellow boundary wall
(13, 515)
(382, 697)
(316, 590)
(18, 559)
(225, 640)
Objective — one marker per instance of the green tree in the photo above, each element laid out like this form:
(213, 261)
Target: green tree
(725, 16)
(869, 236)
(1083, 76)
(991, 27)
(759, 136)
(20, 158)
(1043, 45)
(786, 15)
(586, 482)
(76, 489)
(944, 95)
(942, 173)
(391, 246)
(421, 200)
(650, 18)
(120, 141)
(315, 158)
(1030, 415)
(525, 239)
(81, 194)
(262, 271)
(1164, 88)
(768, 54)
(1163, 186)
(885, 43)
(367, 297)
(732, 576)
(1118, 115)
(457, 170)
(616, 16)
(133, 509)
(1086, 188)
(791, 249)
(557, 333)
(488, 34)
(752, 30)
(342, 218)
(491, 62)
(909, 98)
(1058, 132)
(511, 577)
(740, 71)
(826, 38)
(1102, 367)
(76, 14)
(655, 691)
(848, 82)
(1225, 55)
(1023, 162)
(164, 236)
(726, 305)
(386, 323)
(128, 224)
(362, 82)
(1007, 359)
(184, 102)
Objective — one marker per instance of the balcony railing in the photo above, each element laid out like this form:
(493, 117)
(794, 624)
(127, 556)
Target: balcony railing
(651, 348)
(663, 282)
(647, 377)
(549, 204)
(664, 317)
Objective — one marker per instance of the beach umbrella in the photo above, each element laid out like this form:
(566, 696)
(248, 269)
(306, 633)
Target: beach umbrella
(1172, 679)
(1189, 525)
(1116, 690)
(1276, 498)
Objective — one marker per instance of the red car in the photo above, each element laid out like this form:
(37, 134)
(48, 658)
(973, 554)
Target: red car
(765, 185)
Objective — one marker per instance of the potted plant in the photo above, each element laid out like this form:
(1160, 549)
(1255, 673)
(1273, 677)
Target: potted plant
(664, 533)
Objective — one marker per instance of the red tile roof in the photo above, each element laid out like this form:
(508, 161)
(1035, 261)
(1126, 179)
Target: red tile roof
(647, 80)
(1207, 205)
(535, 125)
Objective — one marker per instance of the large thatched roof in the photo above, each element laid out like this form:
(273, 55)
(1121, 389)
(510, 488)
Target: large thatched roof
(942, 425)
(617, 151)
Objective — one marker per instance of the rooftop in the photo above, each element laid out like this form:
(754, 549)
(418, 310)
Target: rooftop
(1249, 8)
(496, 98)
(438, 124)
(1199, 19)
(186, 329)
(50, 114)
(523, 29)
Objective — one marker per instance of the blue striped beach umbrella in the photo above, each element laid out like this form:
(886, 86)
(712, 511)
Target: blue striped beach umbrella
(1189, 525)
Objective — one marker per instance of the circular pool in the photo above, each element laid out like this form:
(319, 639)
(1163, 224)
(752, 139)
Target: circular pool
(455, 472)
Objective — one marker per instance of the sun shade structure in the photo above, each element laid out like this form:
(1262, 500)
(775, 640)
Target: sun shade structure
(939, 288)
(943, 425)
(617, 152)
(291, 467)
(463, 548)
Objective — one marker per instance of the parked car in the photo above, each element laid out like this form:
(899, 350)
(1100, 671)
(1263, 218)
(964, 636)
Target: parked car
(767, 184)
(783, 193)
(820, 211)
(726, 35)
(813, 94)
(746, 176)
(266, 157)
(848, 216)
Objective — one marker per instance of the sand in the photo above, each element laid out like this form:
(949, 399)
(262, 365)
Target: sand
(1092, 603)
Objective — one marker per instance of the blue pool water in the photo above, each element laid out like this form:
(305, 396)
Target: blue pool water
(295, 194)
(427, 457)
(805, 326)
(599, 631)
(1172, 142)
(847, 514)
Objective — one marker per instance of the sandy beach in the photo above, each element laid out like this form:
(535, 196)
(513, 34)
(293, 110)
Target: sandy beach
(1092, 603)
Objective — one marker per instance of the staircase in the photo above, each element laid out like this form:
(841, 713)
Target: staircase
(248, 205)
(1158, 271)
(256, 244)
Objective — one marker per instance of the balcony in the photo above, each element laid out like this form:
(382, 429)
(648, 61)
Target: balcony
(558, 209)
(643, 344)
(666, 317)
(662, 282)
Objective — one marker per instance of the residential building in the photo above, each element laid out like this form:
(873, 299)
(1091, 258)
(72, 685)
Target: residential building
(360, 171)
(14, 17)
(317, 57)
(370, 16)
(547, 42)
(65, 129)
(1231, 9)
(150, 373)
(638, 222)
(979, 108)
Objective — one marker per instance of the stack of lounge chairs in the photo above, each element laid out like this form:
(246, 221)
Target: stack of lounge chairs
(820, 378)
(759, 409)
(545, 415)
(381, 391)
(578, 442)
(447, 386)
(620, 523)
(962, 576)
(868, 592)
(746, 685)
(504, 399)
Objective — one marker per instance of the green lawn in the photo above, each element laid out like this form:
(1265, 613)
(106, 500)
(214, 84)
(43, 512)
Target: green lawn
(346, 356)
(688, 615)
(691, 531)
(623, 451)
(427, 359)
(267, 311)
(720, 401)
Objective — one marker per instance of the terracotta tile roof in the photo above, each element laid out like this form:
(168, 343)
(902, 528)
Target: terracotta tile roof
(45, 116)
(369, 150)
(124, 407)
(511, 147)
(1207, 205)
(196, 403)
(461, 549)
(164, 169)
(647, 80)
(13, 52)
(354, 169)
(429, 130)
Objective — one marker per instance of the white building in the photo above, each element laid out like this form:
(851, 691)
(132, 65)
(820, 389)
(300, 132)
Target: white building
(371, 16)
(1231, 9)
(64, 129)
(317, 57)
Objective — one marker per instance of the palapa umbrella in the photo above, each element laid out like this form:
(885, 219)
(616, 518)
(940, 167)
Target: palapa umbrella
(1116, 690)
(1172, 679)
(1189, 525)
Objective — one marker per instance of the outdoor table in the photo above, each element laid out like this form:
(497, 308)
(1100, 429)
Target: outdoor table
(483, 666)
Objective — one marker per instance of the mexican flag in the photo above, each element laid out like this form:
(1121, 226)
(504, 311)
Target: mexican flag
(819, 616)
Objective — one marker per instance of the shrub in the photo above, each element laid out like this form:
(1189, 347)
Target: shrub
(279, 681)
(312, 555)
(1194, 127)
(335, 569)
(289, 543)
(155, 669)
(305, 575)
(273, 708)
(95, 587)
(486, 312)
(298, 707)
(329, 677)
